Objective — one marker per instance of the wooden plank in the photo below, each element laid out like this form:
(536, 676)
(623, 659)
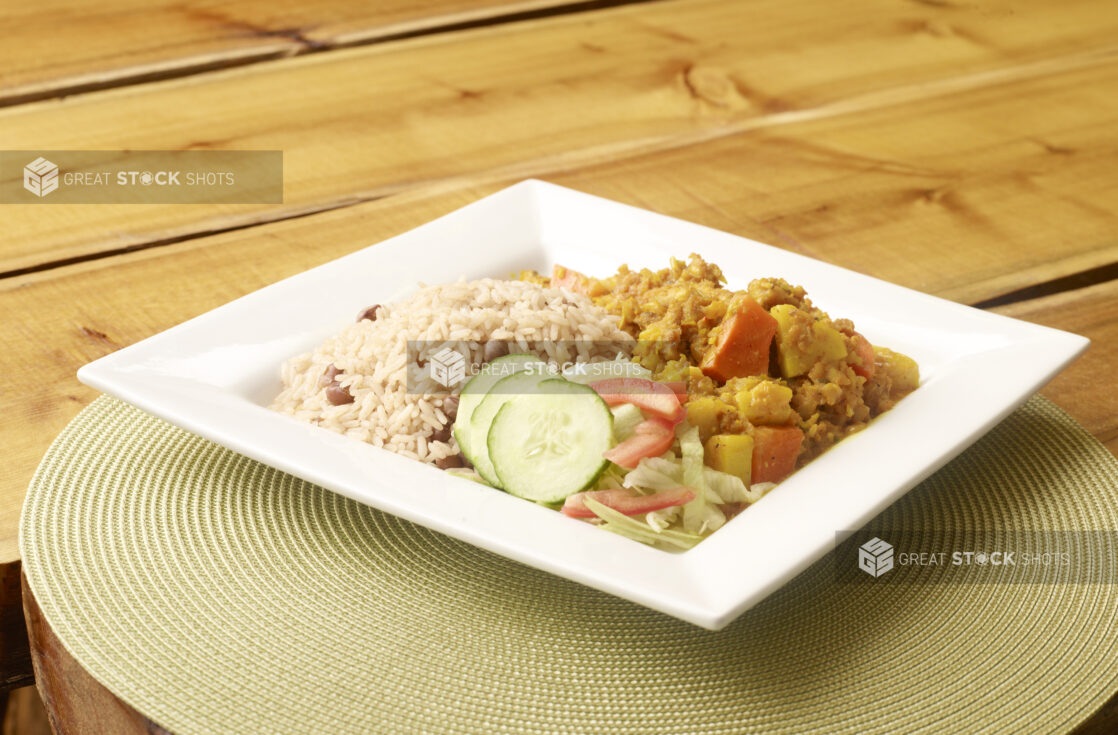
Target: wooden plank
(362, 123)
(62, 46)
(1103, 722)
(967, 196)
(15, 658)
(1086, 388)
(24, 714)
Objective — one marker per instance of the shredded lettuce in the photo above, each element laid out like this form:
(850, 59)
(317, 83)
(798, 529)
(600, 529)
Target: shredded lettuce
(729, 488)
(663, 473)
(625, 419)
(758, 490)
(655, 474)
(623, 525)
(611, 478)
(701, 515)
(659, 520)
(667, 464)
(712, 488)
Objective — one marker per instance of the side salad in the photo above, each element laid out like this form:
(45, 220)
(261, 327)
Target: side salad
(618, 452)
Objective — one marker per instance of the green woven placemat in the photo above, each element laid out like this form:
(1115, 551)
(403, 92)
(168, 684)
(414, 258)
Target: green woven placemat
(217, 595)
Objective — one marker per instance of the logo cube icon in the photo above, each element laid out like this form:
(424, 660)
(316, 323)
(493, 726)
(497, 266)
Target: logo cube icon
(40, 177)
(875, 557)
(448, 367)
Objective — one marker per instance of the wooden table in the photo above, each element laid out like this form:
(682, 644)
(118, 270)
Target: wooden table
(968, 150)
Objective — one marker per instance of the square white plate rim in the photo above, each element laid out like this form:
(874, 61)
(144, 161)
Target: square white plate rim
(213, 375)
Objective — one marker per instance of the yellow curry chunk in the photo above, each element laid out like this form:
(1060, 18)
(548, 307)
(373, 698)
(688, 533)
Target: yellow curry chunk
(732, 454)
(765, 402)
(894, 376)
(802, 340)
(902, 369)
(706, 414)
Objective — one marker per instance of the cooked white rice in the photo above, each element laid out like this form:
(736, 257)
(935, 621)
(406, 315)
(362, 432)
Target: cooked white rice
(373, 357)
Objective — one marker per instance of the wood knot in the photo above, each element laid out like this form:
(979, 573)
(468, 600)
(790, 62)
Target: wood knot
(714, 86)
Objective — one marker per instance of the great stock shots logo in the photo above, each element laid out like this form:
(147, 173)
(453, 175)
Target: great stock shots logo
(448, 367)
(40, 177)
(55, 177)
(875, 557)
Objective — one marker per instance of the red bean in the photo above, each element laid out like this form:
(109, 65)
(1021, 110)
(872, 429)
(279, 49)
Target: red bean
(330, 376)
(454, 461)
(369, 313)
(338, 395)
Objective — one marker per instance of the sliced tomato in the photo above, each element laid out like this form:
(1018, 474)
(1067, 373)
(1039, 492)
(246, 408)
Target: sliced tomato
(624, 500)
(655, 425)
(864, 350)
(679, 387)
(655, 398)
(650, 438)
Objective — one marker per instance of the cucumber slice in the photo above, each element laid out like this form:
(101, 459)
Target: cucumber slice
(473, 393)
(548, 444)
(524, 382)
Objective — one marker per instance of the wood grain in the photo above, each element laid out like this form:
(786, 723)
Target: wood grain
(1086, 388)
(25, 713)
(966, 196)
(63, 46)
(363, 123)
(15, 658)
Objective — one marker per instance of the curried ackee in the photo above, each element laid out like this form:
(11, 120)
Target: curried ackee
(771, 380)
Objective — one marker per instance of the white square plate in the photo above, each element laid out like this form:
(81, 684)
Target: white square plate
(214, 375)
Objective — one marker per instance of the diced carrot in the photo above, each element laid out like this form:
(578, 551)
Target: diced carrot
(775, 449)
(743, 344)
(864, 350)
